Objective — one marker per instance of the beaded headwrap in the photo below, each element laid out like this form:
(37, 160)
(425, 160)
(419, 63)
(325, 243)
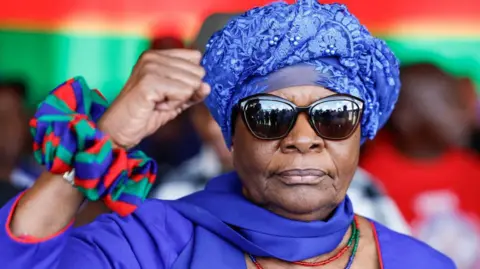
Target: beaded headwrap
(346, 57)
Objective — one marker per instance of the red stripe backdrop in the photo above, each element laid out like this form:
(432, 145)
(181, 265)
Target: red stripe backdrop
(378, 14)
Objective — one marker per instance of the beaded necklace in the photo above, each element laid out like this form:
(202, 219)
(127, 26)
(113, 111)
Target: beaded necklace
(354, 239)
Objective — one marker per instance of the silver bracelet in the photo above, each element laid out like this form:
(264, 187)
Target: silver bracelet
(69, 176)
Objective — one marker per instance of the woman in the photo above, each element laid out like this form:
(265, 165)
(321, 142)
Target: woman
(369, 198)
(285, 207)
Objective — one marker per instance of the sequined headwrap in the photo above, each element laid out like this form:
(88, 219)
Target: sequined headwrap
(327, 37)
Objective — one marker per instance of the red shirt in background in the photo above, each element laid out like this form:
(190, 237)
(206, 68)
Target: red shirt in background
(440, 198)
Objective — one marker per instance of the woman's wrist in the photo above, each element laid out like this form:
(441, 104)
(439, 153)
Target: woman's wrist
(46, 208)
(104, 126)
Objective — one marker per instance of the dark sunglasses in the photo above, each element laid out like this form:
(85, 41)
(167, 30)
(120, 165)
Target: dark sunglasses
(270, 117)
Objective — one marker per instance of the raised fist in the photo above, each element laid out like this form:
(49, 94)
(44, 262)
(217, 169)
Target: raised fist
(161, 86)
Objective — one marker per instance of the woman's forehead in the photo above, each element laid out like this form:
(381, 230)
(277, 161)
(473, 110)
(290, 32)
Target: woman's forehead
(290, 76)
(298, 83)
(303, 95)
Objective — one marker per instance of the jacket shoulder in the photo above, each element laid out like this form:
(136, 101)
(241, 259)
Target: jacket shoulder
(402, 251)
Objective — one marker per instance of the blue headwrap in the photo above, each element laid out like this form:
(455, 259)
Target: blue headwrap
(257, 44)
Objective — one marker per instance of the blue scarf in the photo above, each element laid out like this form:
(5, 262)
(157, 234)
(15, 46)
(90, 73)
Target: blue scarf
(229, 225)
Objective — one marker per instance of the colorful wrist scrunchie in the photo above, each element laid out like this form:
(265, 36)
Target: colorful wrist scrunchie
(66, 138)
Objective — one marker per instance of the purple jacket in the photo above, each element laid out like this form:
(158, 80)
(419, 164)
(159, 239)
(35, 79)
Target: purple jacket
(211, 229)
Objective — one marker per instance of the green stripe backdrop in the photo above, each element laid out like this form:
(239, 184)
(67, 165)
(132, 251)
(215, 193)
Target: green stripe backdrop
(47, 59)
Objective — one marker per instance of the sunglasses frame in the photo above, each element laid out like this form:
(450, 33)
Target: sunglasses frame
(300, 109)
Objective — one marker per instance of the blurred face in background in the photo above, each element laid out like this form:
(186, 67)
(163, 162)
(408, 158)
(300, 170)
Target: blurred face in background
(211, 134)
(13, 127)
(432, 107)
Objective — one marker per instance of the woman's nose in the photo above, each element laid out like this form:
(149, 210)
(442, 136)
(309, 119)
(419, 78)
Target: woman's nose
(302, 138)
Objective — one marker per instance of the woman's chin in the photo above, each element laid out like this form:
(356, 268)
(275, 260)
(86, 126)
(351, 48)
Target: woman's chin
(306, 203)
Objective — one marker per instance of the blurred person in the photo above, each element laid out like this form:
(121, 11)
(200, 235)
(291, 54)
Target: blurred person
(212, 160)
(422, 161)
(211, 135)
(15, 175)
(373, 202)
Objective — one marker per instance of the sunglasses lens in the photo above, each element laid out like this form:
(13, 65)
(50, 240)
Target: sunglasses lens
(268, 119)
(336, 119)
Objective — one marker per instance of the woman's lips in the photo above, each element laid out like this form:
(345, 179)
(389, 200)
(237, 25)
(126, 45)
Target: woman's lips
(301, 176)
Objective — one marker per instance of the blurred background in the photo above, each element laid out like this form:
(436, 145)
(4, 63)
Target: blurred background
(425, 162)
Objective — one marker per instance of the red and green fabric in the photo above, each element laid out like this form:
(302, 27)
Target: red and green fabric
(101, 40)
(66, 138)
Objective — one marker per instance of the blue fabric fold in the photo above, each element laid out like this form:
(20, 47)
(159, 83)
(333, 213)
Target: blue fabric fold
(230, 226)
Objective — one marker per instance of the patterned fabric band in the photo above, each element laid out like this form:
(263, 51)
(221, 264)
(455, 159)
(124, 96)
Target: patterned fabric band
(66, 138)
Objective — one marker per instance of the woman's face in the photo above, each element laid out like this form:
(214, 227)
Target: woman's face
(267, 168)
